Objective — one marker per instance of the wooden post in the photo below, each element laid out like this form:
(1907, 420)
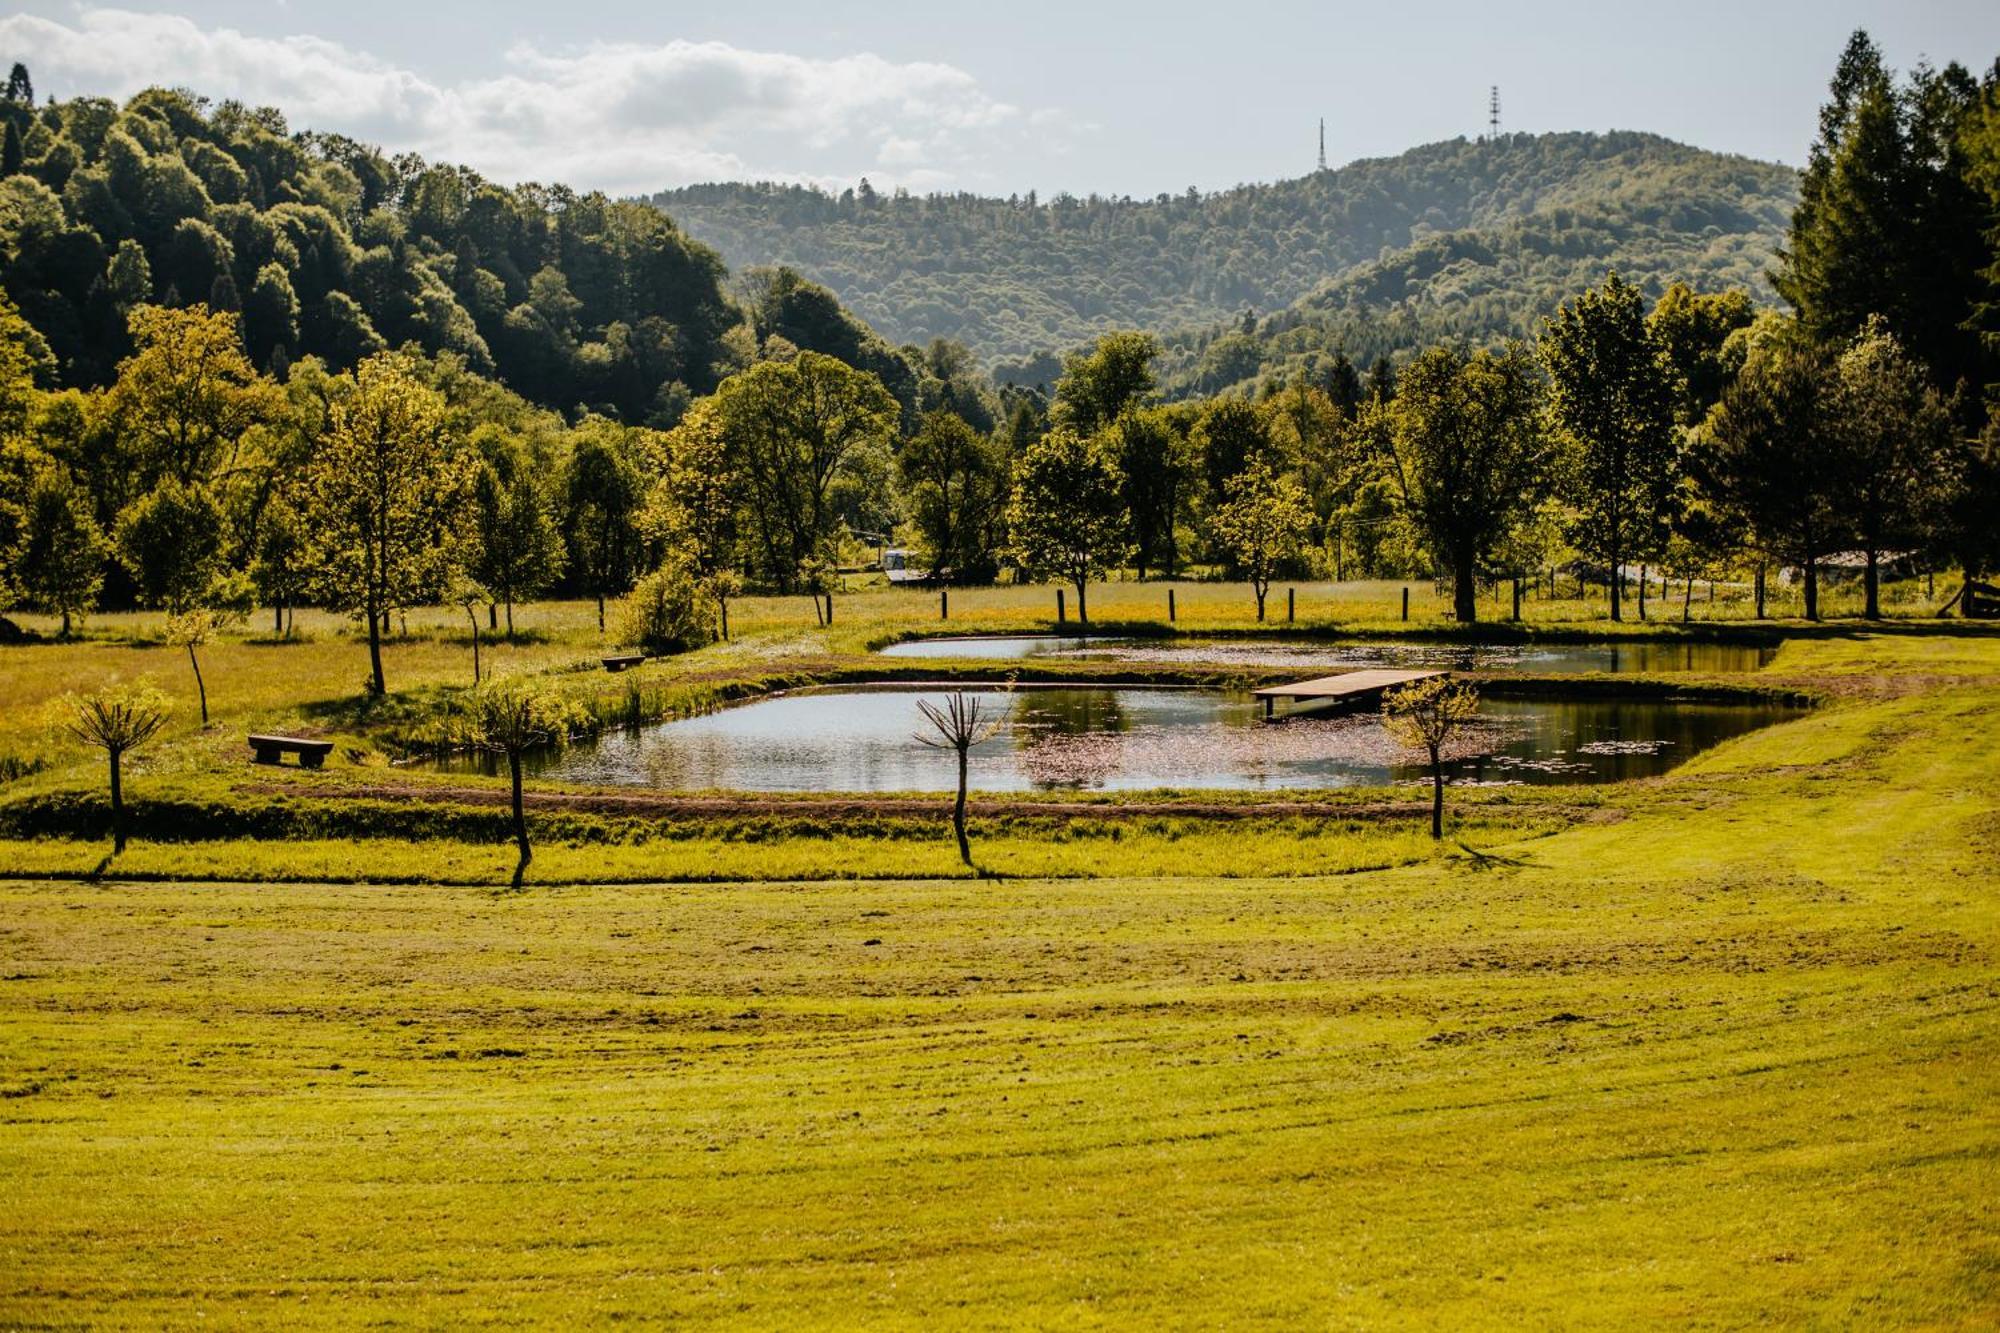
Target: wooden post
(1170, 606)
(1061, 617)
(944, 604)
(1406, 603)
(1291, 604)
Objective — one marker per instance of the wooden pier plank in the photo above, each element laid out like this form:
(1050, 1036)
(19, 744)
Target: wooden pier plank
(1346, 684)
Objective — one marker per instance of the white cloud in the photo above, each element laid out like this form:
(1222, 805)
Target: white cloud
(621, 117)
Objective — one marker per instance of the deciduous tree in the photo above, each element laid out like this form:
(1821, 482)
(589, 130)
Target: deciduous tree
(1263, 523)
(1067, 514)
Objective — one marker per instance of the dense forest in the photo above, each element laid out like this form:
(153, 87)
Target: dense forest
(1463, 237)
(375, 427)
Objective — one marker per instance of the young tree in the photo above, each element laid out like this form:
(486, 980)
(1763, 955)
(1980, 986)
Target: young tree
(606, 495)
(387, 491)
(171, 540)
(1613, 392)
(1067, 512)
(1893, 435)
(61, 552)
(1263, 523)
(511, 718)
(695, 505)
(520, 538)
(188, 394)
(278, 559)
(960, 724)
(193, 629)
(673, 609)
(469, 595)
(793, 429)
(1464, 437)
(1425, 715)
(1765, 454)
(116, 721)
(953, 480)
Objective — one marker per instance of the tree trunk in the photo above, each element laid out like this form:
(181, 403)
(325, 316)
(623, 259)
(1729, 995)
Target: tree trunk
(1872, 586)
(958, 810)
(1812, 588)
(1642, 592)
(473, 616)
(200, 688)
(277, 617)
(117, 807)
(725, 618)
(1260, 602)
(376, 684)
(1687, 602)
(1759, 585)
(510, 620)
(1464, 592)
(520, 815)
(65, 628)
(1437, 794)
(600, 615)
(493, 615)
(1617, 585)
(1082, 610)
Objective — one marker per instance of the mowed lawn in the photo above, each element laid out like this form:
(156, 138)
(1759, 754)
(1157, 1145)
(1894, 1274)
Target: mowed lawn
(1730, 1058)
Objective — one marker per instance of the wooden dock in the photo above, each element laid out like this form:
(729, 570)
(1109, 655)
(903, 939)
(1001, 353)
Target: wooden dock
(1350, 687)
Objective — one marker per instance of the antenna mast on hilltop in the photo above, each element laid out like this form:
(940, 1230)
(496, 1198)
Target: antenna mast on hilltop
(1322, 143)
(1493, 114)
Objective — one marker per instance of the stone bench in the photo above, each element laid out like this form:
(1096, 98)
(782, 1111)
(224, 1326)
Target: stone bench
(273, 749)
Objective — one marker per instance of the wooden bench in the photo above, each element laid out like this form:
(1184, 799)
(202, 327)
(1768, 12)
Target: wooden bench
(620, 663)
(1981, 601)
(272, 750)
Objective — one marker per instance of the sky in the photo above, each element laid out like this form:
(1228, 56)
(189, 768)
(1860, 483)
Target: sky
(1000, 97)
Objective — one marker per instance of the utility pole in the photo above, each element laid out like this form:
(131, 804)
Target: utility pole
(1322, 143)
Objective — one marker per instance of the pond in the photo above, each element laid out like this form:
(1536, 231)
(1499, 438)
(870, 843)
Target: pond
(1642, 656)
(1122, 738)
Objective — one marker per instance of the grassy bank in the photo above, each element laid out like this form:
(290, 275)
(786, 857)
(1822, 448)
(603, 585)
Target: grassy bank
(1724, 1054)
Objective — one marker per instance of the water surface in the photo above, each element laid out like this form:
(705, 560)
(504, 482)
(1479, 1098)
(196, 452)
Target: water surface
(1642, 656)
(1127, 738)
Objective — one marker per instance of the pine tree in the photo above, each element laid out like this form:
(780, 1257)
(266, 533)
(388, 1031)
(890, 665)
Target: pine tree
(12, 158)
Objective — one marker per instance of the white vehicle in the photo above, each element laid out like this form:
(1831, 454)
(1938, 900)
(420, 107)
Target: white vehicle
(896, 565)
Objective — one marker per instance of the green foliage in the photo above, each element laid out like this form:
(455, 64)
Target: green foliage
(671, 610)
(1067, 514)
(1612, 392)
(1263, 523)
(60, 559)
(171, 542)
(1101, 384)
(1465, 437)
(1453, 239)
(1425, 715)
(955, 486)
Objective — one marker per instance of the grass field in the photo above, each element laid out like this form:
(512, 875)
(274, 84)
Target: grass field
(1719, 1048)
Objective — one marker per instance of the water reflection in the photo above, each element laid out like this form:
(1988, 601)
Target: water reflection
(1123, 738)
(1645, 656)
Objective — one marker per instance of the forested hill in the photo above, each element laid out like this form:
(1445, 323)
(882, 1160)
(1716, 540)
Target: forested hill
(330, 248)
(1464, 233)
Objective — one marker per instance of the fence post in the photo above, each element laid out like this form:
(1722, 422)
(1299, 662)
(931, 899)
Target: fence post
(1060, 615)
(829, 608)
(944, 604)
(1291, 604)
(1406, 603)
(1170, 606)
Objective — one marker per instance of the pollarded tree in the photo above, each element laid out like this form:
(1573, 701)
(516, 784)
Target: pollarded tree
(117, 721)
(1068, 512)
(1425, 715)
(188, 394)
(953, 480)
(388, 496)
(61, 554)
(511, 718)
(793, 429)
(1264, 522)
(1895, 462)
(1465, 442)
(960, 724)
(1614, 394)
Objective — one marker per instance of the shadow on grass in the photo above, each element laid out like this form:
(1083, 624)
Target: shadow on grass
(1478, 860)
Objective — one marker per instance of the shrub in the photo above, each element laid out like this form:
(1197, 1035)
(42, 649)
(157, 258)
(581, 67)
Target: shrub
(671, 611)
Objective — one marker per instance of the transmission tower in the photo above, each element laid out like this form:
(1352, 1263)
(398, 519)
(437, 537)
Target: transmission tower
(1322, 143)
(1493, 114)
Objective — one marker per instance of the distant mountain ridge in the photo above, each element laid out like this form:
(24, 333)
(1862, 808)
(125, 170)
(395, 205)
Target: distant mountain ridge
(1462, 235)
